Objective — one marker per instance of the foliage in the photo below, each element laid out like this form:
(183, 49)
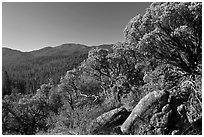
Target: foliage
(25, 117)
(23, 74)
(27, 114)
(162, 51)
(169, 28)
(115, 71)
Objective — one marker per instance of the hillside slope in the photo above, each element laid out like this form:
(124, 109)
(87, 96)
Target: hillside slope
(28, 70)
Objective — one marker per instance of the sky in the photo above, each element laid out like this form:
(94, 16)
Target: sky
(31, 26)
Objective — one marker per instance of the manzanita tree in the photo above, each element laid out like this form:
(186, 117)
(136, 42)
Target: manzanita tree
(115, 71)
(170, 32)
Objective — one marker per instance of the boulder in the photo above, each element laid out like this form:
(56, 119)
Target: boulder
(108, 120)
(148, 105)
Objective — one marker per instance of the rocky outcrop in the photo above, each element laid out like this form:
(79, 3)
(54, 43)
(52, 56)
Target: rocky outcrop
(108, 121)
(148, 105)
(157, 113)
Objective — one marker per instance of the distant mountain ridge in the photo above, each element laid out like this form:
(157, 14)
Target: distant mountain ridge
(65, 46)
(34, 68)
(10, 55)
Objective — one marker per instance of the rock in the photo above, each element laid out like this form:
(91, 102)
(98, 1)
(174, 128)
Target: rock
(145, 106)
(109, 120)
(176, 132)
(177, 120)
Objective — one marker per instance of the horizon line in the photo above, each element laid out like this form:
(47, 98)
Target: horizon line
(57, 46)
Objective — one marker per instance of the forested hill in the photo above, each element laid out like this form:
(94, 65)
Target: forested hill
(11, 55)
(150, 84)
(28, 70)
